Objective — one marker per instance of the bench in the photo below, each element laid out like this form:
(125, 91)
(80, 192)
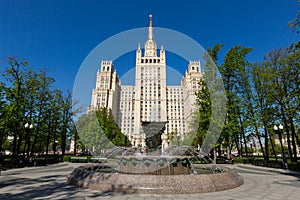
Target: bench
(78, 159)
(229, 161)
(98, 160)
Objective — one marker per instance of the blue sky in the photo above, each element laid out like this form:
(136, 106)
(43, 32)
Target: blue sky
(59, 34)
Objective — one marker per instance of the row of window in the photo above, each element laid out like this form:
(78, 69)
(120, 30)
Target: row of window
(146, 80)
(145, 118)
(150, 77)
(172, 116)
(175, 93)
(150, 60)
(101, 104)
(127, 92)
(104, 86)
(104, 78)
(105, 68)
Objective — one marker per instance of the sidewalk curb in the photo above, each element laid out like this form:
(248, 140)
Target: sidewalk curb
(268, 169)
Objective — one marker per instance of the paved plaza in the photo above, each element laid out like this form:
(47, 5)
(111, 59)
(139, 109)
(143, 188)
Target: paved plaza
(49, 182)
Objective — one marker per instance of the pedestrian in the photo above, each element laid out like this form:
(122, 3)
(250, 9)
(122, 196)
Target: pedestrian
(232, 159)
(30, 161)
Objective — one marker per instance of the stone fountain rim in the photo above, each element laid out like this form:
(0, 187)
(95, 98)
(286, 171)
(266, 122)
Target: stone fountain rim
(156, 184)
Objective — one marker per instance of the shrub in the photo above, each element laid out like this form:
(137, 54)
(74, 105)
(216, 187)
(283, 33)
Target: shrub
(66, 158)
(294, 166)
(270, 163)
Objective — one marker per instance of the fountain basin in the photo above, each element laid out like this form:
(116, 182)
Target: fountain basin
(156, 184)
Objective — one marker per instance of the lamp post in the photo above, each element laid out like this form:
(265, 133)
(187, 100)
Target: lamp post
(178, 139)
(279, 129)
(10, 140)
(55, 144)
(27, 127)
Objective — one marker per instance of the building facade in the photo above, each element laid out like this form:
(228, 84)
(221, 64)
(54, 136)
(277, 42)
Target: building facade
(150, 99)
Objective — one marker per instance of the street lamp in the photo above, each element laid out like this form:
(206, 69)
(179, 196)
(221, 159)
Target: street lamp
(279, 129)
(178, 139)
(10, 140)
(55, 144)
(27, 127)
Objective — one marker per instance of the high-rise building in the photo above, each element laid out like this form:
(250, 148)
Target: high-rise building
(150, 99)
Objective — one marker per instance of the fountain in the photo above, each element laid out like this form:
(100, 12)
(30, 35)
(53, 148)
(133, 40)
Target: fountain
(156, 175)
(173, 171)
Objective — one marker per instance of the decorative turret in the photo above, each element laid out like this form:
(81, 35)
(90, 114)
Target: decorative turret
(162, 54)
(139, 53)
(194, 66)
(107, 65)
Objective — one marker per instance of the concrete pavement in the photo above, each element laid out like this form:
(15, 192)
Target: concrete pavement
(49, 182)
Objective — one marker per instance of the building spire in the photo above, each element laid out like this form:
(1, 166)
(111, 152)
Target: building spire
(150, 45)
(150, 30)
(150, 16)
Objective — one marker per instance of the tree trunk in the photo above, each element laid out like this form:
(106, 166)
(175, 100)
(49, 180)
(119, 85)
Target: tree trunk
(75, 141)
(237, 144)
(36, 133)
(215, 156)
(1, 141)
(257, 133)
(228, 152)
(259, 140)
(266, 143)
(288, 137)
(48, 138)
(293, 140)
(243, 135)
(287, 130)
(273, 149)
(14, 143)
(63, 141)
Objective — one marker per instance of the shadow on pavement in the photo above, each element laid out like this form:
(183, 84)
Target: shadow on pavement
(45, 187)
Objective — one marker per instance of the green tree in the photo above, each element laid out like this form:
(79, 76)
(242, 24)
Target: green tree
(210, 96)
(241, 88)
(14, 89)
(295, 23)
(285, 65)
(66, 121)
(99, 132)
(234, 62)
(42, 97)
(29, 97)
